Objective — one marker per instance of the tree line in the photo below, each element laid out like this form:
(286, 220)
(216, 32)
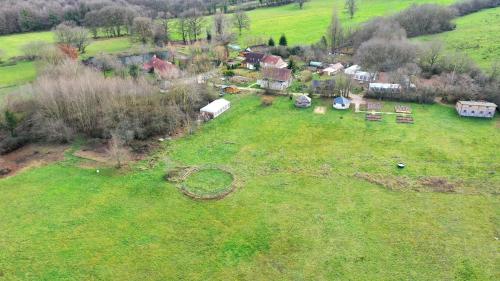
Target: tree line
(113, 16)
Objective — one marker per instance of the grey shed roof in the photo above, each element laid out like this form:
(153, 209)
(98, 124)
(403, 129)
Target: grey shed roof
(478, 103)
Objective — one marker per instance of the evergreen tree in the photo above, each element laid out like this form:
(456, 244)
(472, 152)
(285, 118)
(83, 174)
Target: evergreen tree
(271, 42)
(134, 71)
(283, 41)
(11, 122)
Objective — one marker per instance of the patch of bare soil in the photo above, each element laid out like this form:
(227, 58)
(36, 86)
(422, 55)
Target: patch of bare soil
(320, 110)
(98, 153)
(389, 182)
(33, 155)
(423, 184)
(438, 184)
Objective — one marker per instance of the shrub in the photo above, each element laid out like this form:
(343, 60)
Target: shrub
(229, 73)
(10, 144)
(267, 100)
(306, 76)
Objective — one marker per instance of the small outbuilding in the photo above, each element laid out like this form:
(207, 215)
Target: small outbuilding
(333, 69)
(351, 70)
(364, 76)
(476, 109)
(385, 88)
(303, 101)
(277, 79)
(215, 108)
(341, 103)
(316, 64)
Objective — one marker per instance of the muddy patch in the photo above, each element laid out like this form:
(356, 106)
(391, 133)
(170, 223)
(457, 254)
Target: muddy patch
(33, 155)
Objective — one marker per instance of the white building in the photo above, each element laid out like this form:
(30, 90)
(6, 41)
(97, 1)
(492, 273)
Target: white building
(333, 69)
(364, 76)
(385, 88)
(216, 108)
(351, 70)
(476, 109)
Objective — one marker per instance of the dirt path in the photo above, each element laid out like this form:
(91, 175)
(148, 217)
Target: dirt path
(357, 100)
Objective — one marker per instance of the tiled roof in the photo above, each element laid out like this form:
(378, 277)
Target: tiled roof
(277, 74)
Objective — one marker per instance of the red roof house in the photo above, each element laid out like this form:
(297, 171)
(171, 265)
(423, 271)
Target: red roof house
(273, 61)
(163, 69)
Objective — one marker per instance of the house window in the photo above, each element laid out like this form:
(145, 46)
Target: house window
(465, 111)
(480, 112)
(472, 112)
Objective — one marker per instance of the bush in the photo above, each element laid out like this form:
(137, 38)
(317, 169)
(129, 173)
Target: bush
(385, 55)
(229, 73)
(426, 19)
(10, 144)
(70, 100)
(471, 6)
(306, 76)
(267, 101)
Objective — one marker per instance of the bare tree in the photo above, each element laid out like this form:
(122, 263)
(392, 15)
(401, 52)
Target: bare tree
(343, 85)
(380, 54)
(241, 20)
(195, 23)
(182, 28)
(142, 29)
(301, 3)
(351, 6)
(75, 36)
(222, 32)
(116, 149)
(335, 32)
(430, 55)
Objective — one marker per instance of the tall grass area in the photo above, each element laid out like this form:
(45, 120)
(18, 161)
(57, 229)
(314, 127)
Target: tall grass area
(476, 35)
(299, 214)
(309, 24)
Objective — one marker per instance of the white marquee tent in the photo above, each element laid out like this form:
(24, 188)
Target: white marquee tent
(216, 108)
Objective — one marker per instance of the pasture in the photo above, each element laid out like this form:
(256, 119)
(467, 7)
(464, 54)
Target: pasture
(19, 73)
(320, 198)
(306, 26)
(476, 35)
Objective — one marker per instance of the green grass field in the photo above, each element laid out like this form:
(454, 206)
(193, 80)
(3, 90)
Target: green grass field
(301, 212)
(24, 72)
(476, 35)
(20, 73)
(309, 24)
(12, 44)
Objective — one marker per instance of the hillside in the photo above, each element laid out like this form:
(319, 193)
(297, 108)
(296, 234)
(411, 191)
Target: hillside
(476, 35)
(308, 25)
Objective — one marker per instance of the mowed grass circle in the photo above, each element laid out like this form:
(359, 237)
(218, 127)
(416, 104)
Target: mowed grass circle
(209, 183)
